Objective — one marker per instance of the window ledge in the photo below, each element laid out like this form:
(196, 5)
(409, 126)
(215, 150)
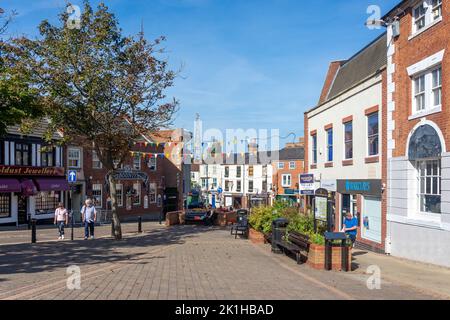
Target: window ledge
(417, 33)
(425, 113)
(329, 165)
(347, 163)
(314, 166)
(372, 159)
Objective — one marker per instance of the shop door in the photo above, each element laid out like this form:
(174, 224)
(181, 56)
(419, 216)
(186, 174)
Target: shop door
(371, 219)
(348, 205)
(22, 210)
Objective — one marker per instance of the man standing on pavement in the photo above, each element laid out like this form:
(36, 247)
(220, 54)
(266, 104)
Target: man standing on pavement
(351, 227)
(89, 216)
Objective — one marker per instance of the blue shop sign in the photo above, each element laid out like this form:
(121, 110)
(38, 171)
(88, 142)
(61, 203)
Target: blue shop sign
(364, 187)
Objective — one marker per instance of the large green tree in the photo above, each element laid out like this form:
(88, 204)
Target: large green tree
(98, 84)
(18, 101)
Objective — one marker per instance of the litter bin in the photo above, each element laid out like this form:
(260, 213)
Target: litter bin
(278, 230)
(329, 238)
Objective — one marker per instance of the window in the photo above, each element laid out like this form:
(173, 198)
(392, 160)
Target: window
(436, 9)
(286, 180)
(228, 186)
(280, 165)
(47, 157)
(22, 154)
(330, 145)
(152, 163)
(239, 186)
(238, 172)
(372, 134)
(314, 149)
(46, 202)
(97, 195)
(137, 162)
(437, 87)
(429, 178)
(204, 183)
(152, 192)
(227, 172)
(214, 170)
(214, 183)
(74, 158)
(250, 171)
(96, 163)
(419, 17)
(137, 194)
(5, 205)
(348, 140)
(428, 90)
(119, 194)
(250, 186)
(292, 165)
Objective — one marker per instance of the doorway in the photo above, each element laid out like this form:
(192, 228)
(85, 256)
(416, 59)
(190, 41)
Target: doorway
(22, 209)
(349, 204)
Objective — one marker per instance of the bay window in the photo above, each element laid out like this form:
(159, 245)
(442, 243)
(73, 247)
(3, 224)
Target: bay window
(429, 190)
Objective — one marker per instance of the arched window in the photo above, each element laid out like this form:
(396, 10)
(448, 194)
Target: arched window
(425, 149)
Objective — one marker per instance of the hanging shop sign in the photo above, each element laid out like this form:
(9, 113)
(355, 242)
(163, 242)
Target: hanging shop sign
(364, 187)
(307, 184)
(32, 171)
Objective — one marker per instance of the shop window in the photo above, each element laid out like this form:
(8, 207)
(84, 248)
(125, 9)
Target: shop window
(96, 163)
(152, 192)
(286, 180)
(74, 157)
(5, 205)
(429, 179)
(137, 194)
(152, 163)
(372, 135)
(46, 202)
(97, 195)
(22, 154)
(348, 137)
(119, 194)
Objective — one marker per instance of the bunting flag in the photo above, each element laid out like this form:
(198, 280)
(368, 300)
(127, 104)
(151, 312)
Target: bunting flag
(146, 154)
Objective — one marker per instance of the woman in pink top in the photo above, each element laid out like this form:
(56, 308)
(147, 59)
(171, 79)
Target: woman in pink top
(61, 219)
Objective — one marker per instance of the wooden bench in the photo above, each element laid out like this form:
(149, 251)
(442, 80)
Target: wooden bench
(296, 243)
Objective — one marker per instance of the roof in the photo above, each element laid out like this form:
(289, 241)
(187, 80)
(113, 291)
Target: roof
(39, 130)
(361, 66)
(398, 6)
(292, 154)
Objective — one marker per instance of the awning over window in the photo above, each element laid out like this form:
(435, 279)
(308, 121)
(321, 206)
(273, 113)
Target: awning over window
(9, 185)
(52, 185)
(28, 188)
(425, 143)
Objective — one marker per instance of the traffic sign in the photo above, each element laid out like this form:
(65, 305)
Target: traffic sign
(72, 176)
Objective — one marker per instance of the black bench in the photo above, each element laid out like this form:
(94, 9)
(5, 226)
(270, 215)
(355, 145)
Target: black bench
(241, 227)
(296, 243)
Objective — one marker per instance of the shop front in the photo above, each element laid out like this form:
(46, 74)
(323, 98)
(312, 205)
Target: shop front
(30, 193)
(362, 198)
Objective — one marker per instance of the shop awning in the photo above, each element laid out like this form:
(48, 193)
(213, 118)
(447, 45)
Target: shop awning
(9, 185)
(52, 185)
(28, 188)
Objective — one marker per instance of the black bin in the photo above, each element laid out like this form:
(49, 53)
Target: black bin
(278, 231)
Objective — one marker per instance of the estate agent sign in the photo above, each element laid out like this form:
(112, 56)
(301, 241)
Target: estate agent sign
(307, 184)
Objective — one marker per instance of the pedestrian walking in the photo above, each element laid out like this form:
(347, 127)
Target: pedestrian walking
(61, 219)
(89, 216)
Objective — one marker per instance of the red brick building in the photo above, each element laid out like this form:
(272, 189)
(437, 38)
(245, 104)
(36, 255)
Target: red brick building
(419, 131)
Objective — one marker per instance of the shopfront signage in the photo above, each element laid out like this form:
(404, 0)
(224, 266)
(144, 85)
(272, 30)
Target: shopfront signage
(307, 184)
(32, 171)
(330, 185)
(364, 187)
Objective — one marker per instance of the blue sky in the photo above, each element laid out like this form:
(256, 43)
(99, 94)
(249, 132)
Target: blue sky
(245, 63)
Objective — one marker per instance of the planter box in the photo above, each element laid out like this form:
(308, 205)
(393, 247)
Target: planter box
(256, 237)
(316, 258)
(225, 218)
(173, 218)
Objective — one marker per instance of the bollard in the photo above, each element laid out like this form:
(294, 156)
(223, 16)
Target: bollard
(29, 221)
(71, 225)
(112, 228)
(33, 231)
(344, 256)
(140, 225)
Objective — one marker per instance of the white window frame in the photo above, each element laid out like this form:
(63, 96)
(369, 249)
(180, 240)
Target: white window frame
(152, 163)
(119, 186)
(97, 187)
(285, 178)
(419, 192)
(280, 165)
(96, 159)
(138, 193)
(69, 158)
(292, 165)
(415, 29)
(428, 92)
(429, 18)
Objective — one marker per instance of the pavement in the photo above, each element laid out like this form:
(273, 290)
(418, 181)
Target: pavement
(192, 263)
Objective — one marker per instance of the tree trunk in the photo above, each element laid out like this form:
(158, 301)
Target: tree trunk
(117, 229)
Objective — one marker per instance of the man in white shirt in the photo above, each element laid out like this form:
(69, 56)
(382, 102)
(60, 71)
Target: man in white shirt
(89, 216)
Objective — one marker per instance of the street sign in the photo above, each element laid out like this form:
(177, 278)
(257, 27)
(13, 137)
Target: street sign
(72, 176)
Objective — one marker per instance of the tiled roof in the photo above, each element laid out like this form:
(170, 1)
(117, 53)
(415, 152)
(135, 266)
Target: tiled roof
(292, 154)
(38, 130)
